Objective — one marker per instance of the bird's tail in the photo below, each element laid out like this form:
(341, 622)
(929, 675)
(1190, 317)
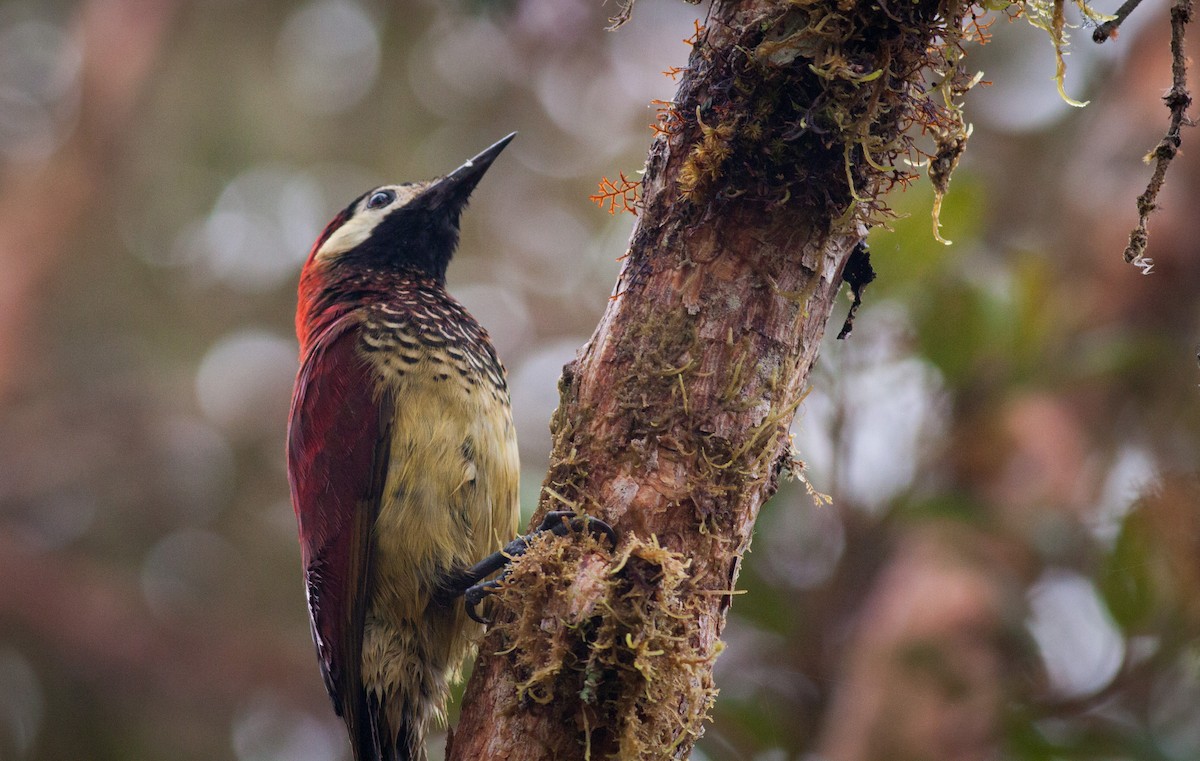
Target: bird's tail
(383, 742)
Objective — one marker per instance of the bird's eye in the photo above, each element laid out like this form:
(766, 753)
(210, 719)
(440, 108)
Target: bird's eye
(380, 198)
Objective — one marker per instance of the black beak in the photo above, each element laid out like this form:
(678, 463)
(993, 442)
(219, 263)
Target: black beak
(453, 190)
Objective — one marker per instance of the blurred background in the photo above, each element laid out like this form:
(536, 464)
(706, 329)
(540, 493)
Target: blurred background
(1010, 566)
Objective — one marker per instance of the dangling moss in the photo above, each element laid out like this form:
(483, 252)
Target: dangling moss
(626, 657)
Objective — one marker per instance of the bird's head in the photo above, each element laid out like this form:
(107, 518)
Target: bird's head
(411, 227)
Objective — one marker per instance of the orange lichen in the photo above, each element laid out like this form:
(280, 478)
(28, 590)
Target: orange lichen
(623, 194)
(666, 118)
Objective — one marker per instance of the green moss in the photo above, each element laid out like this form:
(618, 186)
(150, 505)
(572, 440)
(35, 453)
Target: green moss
(629, 658)
(817, 104)
(660, 354)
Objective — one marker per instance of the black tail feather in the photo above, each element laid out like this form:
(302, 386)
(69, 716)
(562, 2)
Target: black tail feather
(377, 741)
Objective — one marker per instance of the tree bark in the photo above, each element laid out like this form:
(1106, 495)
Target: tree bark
(673, 423)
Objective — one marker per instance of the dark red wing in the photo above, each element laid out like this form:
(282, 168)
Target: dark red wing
(337, 463)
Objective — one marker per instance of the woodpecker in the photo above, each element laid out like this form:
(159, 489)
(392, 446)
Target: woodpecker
(402, 459)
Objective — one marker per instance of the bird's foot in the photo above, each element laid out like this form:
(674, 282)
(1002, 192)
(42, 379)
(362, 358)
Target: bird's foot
(559, 523)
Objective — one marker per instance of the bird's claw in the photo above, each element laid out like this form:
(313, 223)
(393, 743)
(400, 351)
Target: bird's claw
(475, 594)
(559, 523)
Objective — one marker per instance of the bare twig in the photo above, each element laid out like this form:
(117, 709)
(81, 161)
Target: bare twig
(623, 15)
(1177, 99)
(1109, 28)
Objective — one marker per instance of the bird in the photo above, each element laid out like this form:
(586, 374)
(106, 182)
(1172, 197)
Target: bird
(402, 460)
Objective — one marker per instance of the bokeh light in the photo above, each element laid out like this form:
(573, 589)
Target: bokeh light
(39, 88)
(328, 55)
(1081, 648)
(1020, 402)
(245, 379)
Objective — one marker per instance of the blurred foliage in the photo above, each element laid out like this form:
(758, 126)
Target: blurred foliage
(1022, 402)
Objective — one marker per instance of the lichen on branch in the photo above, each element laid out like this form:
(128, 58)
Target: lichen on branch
(616, 638)
(830, 91)
(619, 195)
(855, 99)
(792, 120)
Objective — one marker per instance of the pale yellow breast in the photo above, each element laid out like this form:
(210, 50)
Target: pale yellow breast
(450, 496)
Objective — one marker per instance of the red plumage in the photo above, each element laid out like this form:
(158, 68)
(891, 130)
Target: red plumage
(336, 456)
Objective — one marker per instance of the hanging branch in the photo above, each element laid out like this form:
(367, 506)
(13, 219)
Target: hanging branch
(1178, 99)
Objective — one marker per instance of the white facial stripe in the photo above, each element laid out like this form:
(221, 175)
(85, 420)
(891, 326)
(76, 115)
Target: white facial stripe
(357, 229)
(352, 233)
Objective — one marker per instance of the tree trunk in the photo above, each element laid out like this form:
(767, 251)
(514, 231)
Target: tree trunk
(673, 423)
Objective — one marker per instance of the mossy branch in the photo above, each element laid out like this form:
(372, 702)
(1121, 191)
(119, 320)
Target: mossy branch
(789, 125)
(791, 122)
